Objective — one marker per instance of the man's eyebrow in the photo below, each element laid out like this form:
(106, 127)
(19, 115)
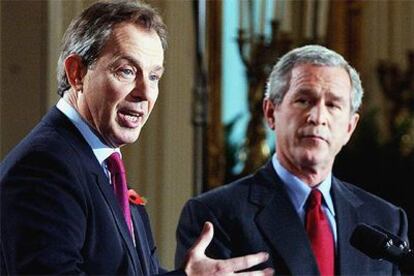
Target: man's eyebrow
(159, 69)
(308, 91)
(305, 91)
(135, 62)
(129, 58)
(335, 97)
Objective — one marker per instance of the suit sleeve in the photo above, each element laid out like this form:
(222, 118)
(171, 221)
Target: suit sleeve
(403, 233)
(193, 216)
(42, 215)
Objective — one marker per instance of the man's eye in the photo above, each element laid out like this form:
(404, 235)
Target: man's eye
(333, 105)
(128, 73)
(154, 77)
(302, 101)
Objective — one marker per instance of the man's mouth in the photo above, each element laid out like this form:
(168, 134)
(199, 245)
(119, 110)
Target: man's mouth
(130, 118)
(315, 138)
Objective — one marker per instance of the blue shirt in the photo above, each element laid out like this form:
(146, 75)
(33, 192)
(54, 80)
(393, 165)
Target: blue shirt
(100, 149)
(298, 192)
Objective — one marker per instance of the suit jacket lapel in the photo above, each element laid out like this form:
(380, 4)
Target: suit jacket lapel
(280, 223)
(142, 247)
(118, 216)
(346, 204)
(63, 124)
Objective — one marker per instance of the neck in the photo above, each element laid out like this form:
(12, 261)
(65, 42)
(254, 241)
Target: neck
(311, 175)
(71, 97)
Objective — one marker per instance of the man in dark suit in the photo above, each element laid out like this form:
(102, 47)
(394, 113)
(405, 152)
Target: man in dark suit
(59, 211)
(311, 104)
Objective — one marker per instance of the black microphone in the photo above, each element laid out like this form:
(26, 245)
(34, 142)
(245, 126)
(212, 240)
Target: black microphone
(378, 243)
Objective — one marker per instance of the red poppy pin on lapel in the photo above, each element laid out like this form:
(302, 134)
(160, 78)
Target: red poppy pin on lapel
(135, 198)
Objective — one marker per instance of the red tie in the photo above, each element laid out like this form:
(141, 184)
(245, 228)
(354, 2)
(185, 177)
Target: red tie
(118, 179)
(320, 234)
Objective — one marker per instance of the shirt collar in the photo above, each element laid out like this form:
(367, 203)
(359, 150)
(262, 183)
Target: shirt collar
(298, 191)
(100, 149)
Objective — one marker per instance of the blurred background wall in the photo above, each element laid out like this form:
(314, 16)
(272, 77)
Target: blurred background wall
(161, 164)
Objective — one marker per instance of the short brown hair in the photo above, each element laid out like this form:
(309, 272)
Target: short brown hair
(88, 33)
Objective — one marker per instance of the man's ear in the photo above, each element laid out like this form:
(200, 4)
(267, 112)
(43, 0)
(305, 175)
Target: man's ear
(75, 71)
(268, 111)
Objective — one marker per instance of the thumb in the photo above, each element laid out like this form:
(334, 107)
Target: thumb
(204, 239)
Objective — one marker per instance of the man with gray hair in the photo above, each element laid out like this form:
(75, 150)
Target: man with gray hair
(293, 207)
(65, 207)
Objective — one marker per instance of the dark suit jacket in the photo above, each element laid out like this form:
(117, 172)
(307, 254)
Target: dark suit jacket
(59, 214)
(255, 214)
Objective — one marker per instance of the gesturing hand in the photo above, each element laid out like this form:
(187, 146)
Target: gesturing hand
(197, 263)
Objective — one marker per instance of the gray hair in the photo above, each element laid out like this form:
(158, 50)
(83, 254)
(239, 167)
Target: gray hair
(279, 80)
(87, 34)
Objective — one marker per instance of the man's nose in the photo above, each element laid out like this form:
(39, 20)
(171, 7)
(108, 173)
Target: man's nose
(317, 114)
(141, 89)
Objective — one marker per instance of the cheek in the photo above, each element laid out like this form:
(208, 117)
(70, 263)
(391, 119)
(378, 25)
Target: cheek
(341, 133)
(285, 132)
(103, 92)
(152, 100)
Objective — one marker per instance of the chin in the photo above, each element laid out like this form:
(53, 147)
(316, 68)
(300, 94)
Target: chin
(132, 138)
(123, 139)
(310, 160)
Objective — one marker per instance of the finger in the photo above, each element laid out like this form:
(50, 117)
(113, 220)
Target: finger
(244, 262)
(200, 245)
(265, 272)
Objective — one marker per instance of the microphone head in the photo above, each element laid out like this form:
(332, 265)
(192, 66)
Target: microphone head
(378, 243)
(370, 241)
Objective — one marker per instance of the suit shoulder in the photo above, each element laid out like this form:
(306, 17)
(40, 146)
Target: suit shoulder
(231, 198)
(44, 146)
(236, 188)
(369, 199)
(54, 133)
(374, 210)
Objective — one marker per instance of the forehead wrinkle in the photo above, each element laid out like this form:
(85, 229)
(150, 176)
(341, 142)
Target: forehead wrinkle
(131, 46)
(304, 81)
